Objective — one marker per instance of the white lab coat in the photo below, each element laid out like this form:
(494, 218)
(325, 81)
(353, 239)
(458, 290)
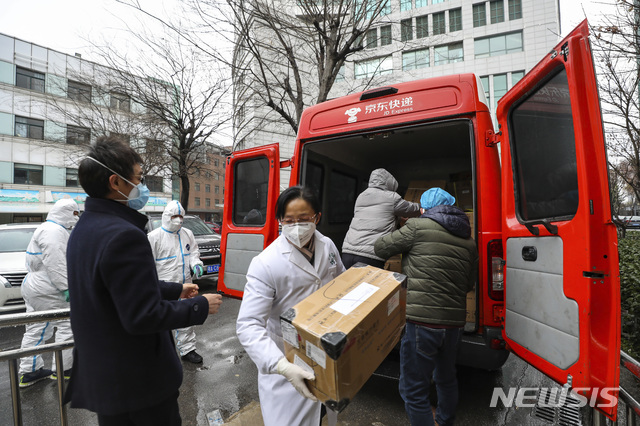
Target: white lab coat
(277, 279)
(46, 280)
(176, 253)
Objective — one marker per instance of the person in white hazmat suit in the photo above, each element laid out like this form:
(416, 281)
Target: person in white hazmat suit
(296, 264)
(45, 287)
(177, 256)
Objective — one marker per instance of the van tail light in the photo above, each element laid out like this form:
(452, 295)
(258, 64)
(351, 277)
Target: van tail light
(496, 269)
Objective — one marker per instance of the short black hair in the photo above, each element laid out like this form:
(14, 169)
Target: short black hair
(113, 152)
(294, 193)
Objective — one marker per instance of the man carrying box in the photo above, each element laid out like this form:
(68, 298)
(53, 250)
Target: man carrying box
(440, 261)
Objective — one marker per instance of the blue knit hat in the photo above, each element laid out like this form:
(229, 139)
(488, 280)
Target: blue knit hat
(436, 197)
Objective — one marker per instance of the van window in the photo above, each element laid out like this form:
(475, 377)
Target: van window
(314, 177)
(342, 197)
(544, 152)
(250, 192)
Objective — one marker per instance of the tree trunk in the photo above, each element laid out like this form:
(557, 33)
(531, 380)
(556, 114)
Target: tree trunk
(184, 193)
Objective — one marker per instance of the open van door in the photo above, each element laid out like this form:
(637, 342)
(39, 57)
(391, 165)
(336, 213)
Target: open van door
(562, 282)
(252, 187)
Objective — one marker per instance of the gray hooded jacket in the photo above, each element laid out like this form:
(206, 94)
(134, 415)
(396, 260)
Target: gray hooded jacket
(375, 214)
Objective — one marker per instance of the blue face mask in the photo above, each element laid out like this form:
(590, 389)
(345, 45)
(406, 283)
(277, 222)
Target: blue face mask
(138, 196)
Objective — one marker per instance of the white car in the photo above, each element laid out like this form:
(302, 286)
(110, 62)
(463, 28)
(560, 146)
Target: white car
(14, 239)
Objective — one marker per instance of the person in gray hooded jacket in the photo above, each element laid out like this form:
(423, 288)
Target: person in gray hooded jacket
(375, 215)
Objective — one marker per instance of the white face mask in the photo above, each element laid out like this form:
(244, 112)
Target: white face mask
(175, 225)
(299, 234)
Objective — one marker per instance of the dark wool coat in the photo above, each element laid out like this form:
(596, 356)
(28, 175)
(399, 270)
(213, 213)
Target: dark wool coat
(121, 314)
(441, 263)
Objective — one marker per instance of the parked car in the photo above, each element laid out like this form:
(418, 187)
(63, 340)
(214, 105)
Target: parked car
(215, 227)
(208, 241)
(14, 239)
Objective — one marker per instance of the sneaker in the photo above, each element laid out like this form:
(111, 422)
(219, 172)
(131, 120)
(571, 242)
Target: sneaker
(28, 379)
(67, 375)
(192, 357)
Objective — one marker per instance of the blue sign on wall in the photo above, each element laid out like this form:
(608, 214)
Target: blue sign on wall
(19, 196)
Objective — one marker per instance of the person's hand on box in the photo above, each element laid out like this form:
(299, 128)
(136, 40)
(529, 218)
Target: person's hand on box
(296, 376)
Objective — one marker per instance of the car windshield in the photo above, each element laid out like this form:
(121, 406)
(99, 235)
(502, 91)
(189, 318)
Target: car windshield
(15, 239)
(197, 226)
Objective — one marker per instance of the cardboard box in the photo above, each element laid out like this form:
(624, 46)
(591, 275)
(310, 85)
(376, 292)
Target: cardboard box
(394, 263)
(471, 221)
(471, 306)
(464, 194)
(345, 330)
(417, 187)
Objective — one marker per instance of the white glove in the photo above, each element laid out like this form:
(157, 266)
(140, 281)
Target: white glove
(296, 376)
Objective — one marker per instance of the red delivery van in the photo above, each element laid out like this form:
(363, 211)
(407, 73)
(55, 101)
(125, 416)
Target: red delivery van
(536, 190)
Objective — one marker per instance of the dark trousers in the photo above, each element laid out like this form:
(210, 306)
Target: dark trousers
(351, 259)
(166, 413)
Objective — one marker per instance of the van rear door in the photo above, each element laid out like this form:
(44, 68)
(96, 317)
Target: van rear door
(252, 187)
(562, 284)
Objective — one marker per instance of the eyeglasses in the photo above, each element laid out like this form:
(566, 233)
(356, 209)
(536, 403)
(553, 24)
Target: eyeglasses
(141, 177)
(291, 221)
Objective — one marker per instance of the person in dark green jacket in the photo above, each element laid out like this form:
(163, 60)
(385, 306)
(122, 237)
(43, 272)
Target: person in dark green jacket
(441, 262)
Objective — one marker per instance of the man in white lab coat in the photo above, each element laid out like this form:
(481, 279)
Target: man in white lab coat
(176, 253)
(45, 287)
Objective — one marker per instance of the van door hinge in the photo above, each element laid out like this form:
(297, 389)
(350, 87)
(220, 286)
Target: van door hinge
(491, 138)
(564, 50)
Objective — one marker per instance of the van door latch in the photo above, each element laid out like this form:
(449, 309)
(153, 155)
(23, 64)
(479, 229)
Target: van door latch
(491, 138)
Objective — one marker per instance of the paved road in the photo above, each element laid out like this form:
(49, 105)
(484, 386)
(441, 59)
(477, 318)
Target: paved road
(226, 381)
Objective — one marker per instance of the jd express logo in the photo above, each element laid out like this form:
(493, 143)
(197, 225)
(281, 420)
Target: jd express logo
(394, 106)
(554, 397)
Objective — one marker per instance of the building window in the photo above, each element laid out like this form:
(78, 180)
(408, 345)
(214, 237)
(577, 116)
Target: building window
(217, 201)
(415, 59)
(120, 101)
(439, 26)
(421, 3)
(516, 76)
(207, 188)
(497, 11)
(207, 202)
(78, 135)
(448, 54)
(30, 79)
(79, 91)
(340, 74)
(217, 189)
(197, 203)
(422, 26)
(479, 15)
(154, 183)
(216, 162)
(71, 179)
(197, 187)
(371, 39)
(455, 19)
(437, 1)
(498, 45)
(405, 5)
(515, 9)
(29, 128)
(499, 86)
(371, 67)
(485, 86)
(406, 27)
(385, 35)
(27, 174)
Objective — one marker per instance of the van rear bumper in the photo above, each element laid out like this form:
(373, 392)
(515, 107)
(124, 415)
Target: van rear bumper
(475, 350)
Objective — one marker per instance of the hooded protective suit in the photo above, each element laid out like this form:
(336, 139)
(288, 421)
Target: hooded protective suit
(176, 253)
(45, 286)
(375, 214)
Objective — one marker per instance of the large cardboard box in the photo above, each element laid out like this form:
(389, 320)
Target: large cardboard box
(345, 330)
(394, 263)
(471, 306)
(417, 187)
(472, 223)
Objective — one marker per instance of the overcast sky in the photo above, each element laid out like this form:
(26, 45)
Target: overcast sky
(64, 24)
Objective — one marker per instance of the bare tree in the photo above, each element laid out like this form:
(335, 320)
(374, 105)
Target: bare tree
(166, 94)
(617, 50)
(286, 54)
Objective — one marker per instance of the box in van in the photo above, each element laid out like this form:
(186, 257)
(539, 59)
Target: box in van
(536, 189)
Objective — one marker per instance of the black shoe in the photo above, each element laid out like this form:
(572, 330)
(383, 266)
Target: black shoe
(28, 379)
(192, 357)
(67, 375)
